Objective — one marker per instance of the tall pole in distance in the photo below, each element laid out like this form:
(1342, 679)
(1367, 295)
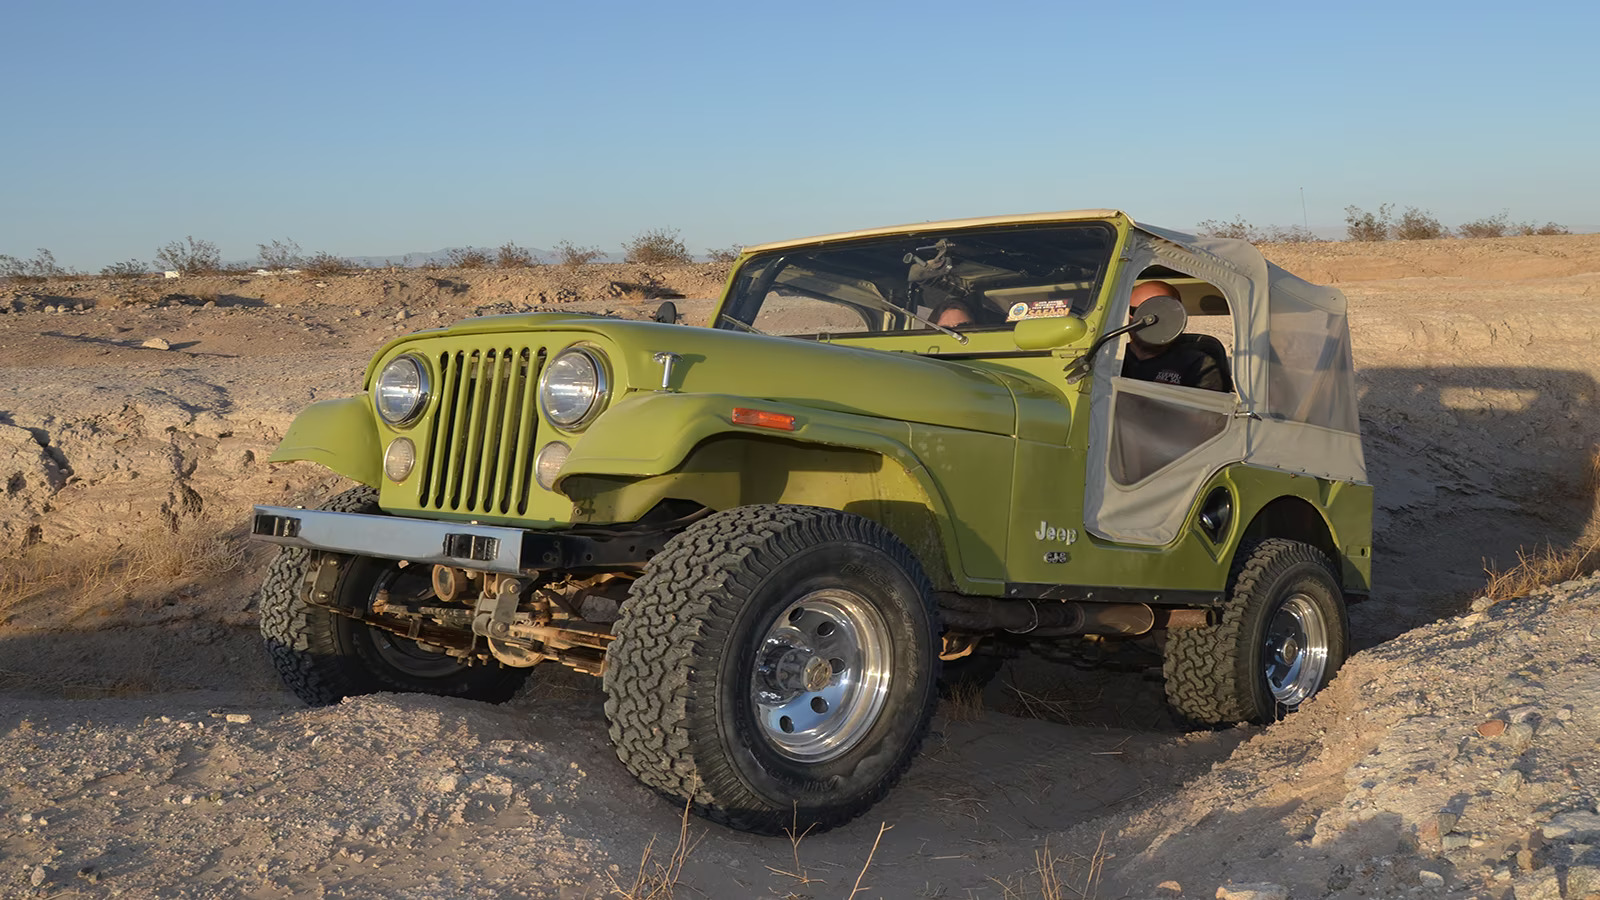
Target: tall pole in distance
(1305, 221)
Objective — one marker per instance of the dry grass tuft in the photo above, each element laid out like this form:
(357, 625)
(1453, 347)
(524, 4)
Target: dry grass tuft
(1591, 475)
(1542, 567)
(795, 835)
(63, 585)
(964, 704)
(882, 827)
(1057, 705)
(1055, 877)
(657, 880)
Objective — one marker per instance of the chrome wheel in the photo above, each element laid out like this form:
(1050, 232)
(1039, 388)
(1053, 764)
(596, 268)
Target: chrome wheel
(1295, 651)
(821, 676)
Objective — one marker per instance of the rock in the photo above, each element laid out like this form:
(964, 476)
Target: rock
(1170, 888)
(1430, 878)
(1261, 890)
(40, 874)
(401, 316)
(1492, 728)
(238, 718)
(156, 344)
(1521, 713)
(1583, 881)
(1508, 783)
(1573, 826)
(448, 783)
(1538, 887)
(1520, 735)
(1452, 842)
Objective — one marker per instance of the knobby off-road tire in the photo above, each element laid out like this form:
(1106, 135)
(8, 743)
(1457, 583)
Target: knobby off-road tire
(1282, 635)
(775, 666)
(324, 657)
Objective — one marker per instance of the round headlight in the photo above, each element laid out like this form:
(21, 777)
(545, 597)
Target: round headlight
(401, 390)
(572, 390)
(547, 465)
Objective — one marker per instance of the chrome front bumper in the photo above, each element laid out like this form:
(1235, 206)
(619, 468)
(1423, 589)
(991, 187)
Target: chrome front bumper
(483, 547)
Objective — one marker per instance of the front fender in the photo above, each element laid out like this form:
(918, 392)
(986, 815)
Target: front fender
(337, 434)
(652, 433)
(657, 434)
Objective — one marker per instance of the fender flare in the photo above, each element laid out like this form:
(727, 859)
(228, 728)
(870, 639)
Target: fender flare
(651, 434)
(337, 434)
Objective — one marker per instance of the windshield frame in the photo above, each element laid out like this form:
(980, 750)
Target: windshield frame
(956, 261)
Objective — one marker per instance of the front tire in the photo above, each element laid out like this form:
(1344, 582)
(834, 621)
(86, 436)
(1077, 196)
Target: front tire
(1281, 636)
(324, 656)
(776, 666)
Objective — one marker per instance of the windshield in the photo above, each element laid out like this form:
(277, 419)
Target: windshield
(969, 280)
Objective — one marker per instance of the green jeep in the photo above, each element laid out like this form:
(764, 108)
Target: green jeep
(770, 536)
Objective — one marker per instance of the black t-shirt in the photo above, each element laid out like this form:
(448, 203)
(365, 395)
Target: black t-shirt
(1179, 363)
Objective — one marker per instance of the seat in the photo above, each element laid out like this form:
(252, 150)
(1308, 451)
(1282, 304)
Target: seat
(1213, 348)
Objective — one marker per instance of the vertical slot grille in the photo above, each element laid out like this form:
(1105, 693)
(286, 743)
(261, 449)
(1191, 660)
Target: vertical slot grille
(480, 445)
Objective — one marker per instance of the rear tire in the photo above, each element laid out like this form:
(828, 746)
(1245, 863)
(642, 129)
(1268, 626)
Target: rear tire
(1281, 636)
(775, 667)
(324, 656)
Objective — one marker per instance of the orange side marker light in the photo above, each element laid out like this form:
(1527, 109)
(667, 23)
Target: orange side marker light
(761, 418)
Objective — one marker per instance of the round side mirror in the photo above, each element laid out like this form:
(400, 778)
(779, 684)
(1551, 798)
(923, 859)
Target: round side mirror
(1169, 320)
(667, 312)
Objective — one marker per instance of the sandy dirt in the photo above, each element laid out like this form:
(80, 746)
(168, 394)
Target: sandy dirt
(147, 749)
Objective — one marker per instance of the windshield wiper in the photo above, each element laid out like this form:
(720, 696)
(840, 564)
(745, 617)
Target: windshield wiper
(886, 306)
(742, 326)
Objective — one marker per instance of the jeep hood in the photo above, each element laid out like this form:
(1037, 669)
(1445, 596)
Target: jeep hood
(822, 375)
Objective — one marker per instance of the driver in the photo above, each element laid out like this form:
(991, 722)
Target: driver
(1178, 362)
(953, 314)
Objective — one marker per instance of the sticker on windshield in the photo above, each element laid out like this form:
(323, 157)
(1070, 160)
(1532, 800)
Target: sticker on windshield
(1039, 309)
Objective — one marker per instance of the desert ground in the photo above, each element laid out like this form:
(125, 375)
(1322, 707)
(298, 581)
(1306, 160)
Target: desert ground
(147, 748)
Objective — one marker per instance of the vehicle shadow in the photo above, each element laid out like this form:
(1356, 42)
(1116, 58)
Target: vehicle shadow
(1469, 465)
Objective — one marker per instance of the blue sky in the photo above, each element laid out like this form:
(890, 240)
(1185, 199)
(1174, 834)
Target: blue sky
(386, 128)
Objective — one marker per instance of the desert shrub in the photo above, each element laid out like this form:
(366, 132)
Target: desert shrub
(570, 254)
(725, 254)
(656, 247)
(1486, 227)
(325, 263)
(189, 257)
(510, 256)
(1362, 225)
(284, 254)
(1287, 234)
(467, 258)
(1419, 225)
(1527, 228)
(42, 266)
(129, 269)
(1238, 229)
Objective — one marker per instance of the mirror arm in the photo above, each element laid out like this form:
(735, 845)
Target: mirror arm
(1083, 365)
